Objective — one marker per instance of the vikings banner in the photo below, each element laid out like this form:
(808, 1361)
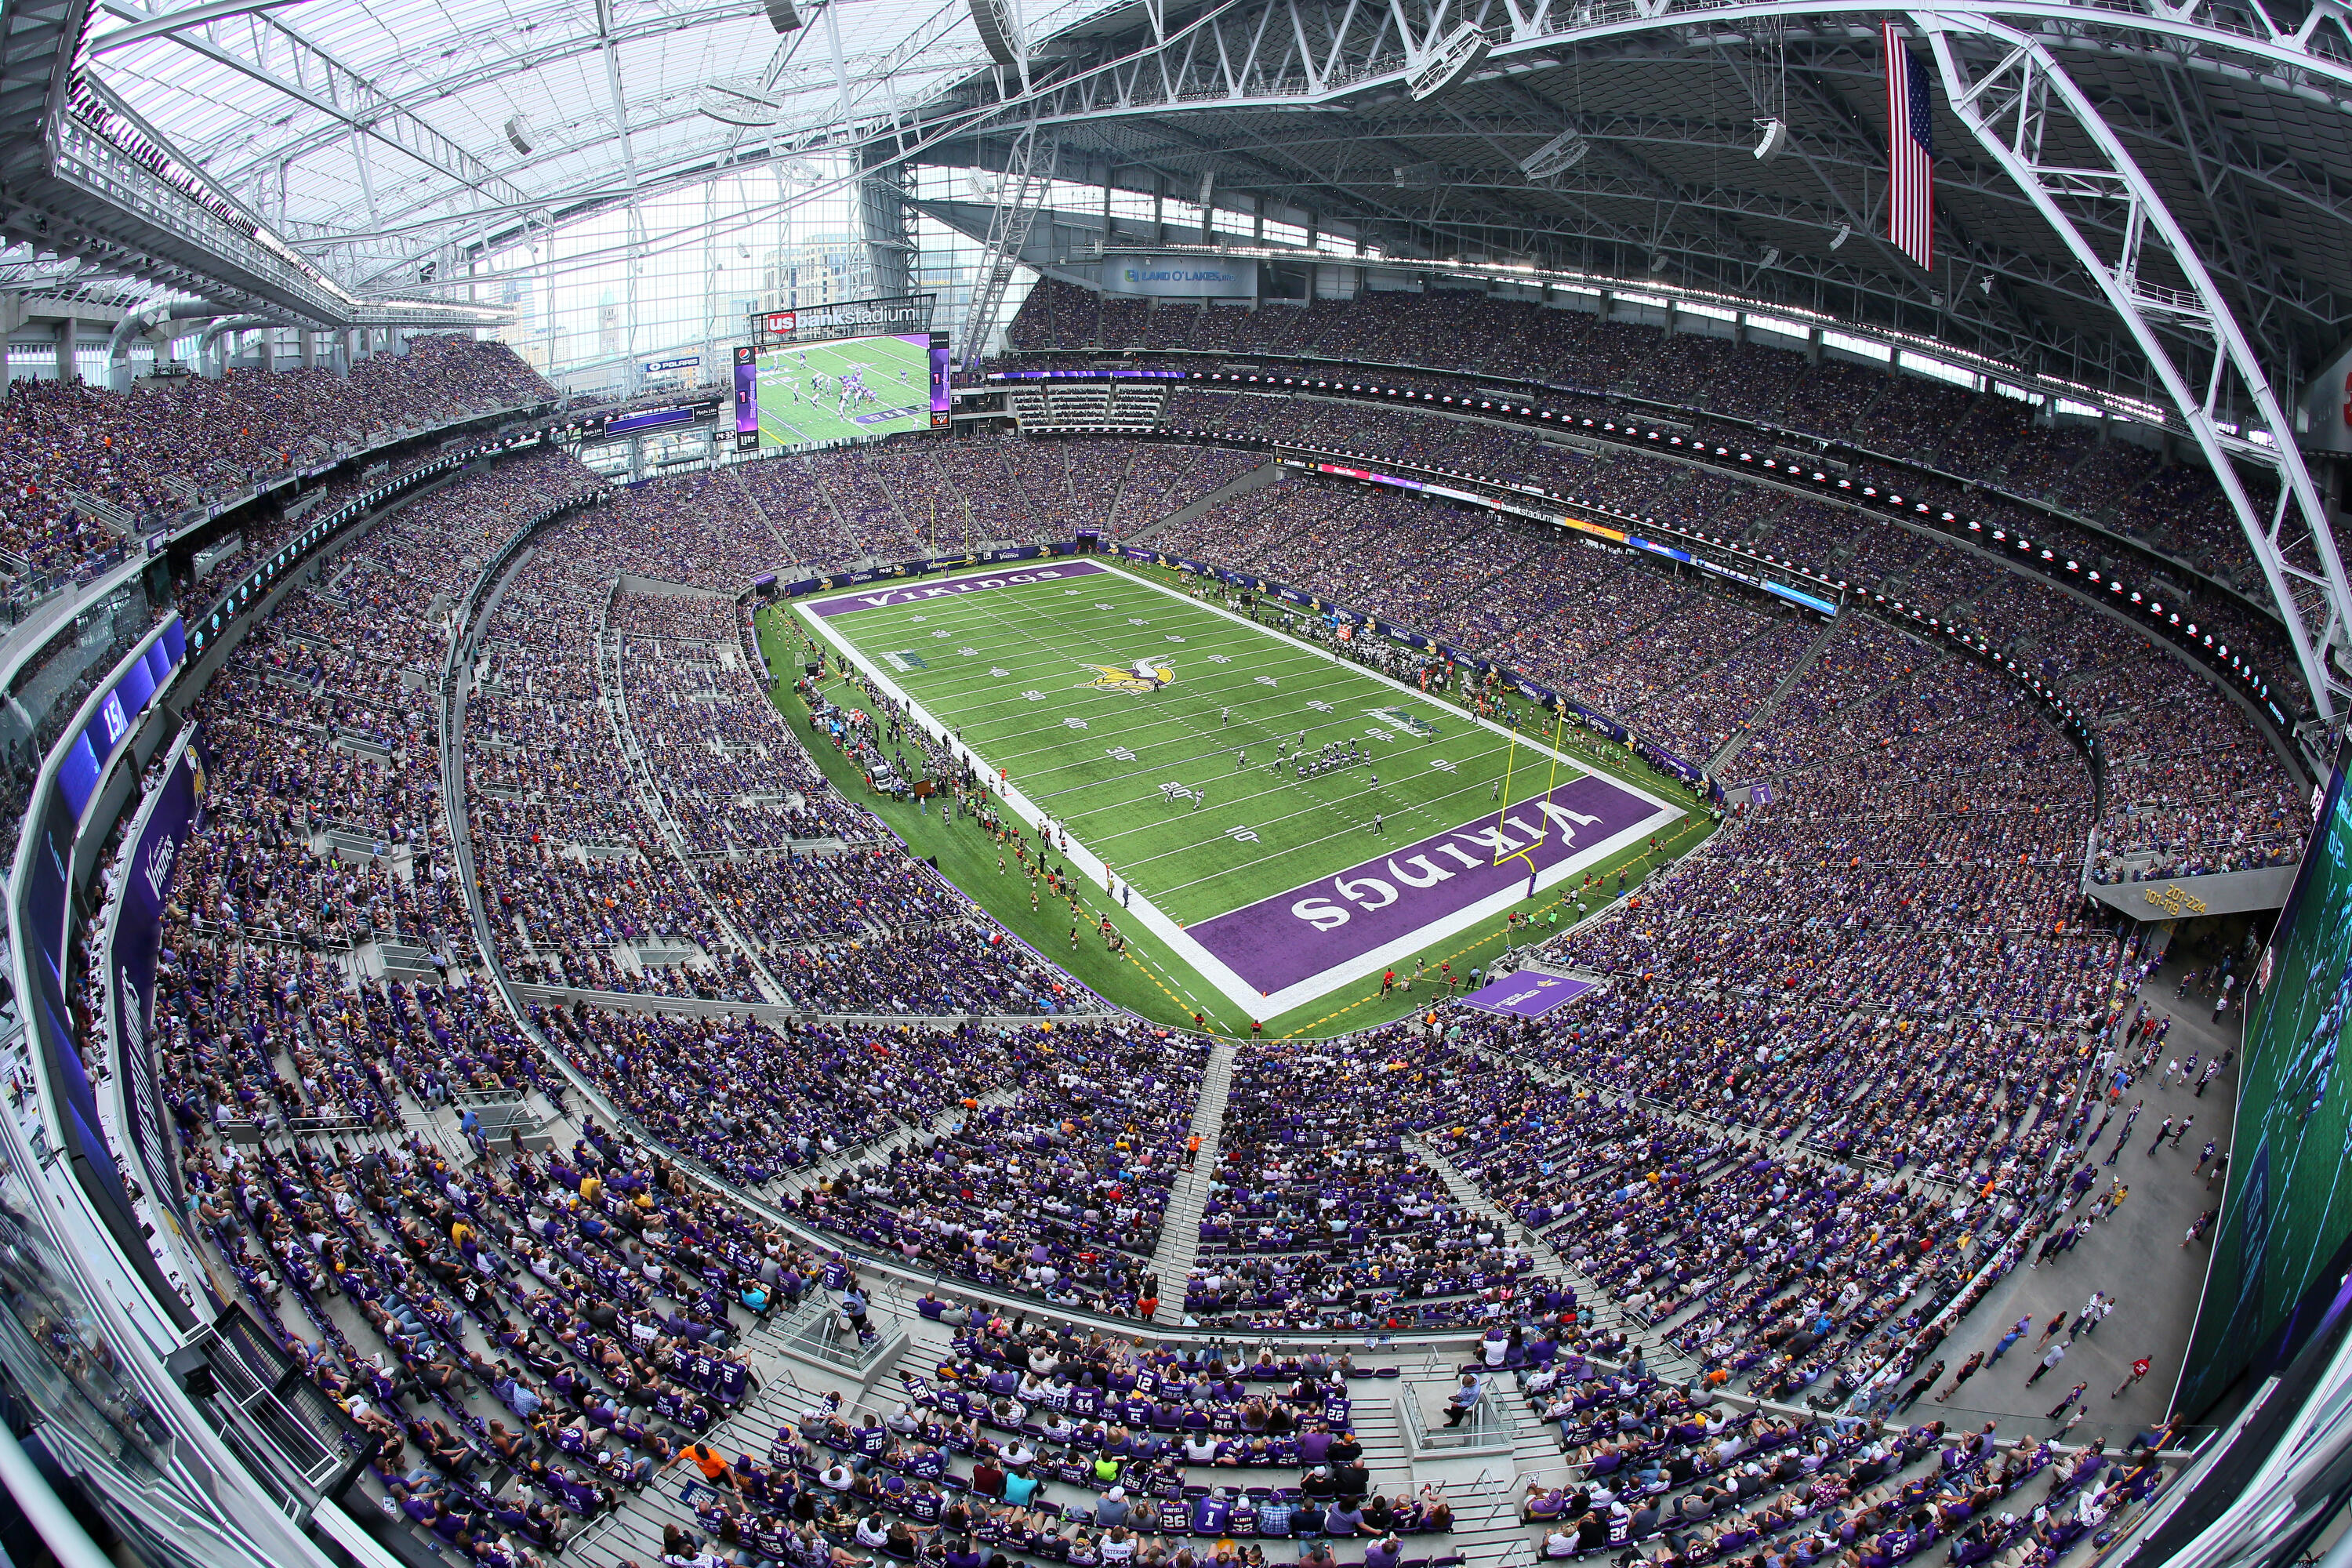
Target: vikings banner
(170, 813)
(1526, 995)
(917, 593)
(1384, 909)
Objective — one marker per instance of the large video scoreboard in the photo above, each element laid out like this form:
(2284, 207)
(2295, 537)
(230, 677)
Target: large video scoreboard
(825, 374)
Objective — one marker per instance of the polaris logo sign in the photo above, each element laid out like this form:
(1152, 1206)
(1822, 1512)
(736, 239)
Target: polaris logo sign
(1181, 278)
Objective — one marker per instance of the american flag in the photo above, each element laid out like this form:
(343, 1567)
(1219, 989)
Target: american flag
(1910, 153)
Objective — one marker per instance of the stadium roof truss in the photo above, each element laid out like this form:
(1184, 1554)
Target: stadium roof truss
(2137, 198)
(2147, 198)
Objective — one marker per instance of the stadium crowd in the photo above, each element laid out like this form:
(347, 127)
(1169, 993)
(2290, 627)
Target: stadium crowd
(528, 1337)
(1693, 666)
(1968, 438)
(81, 467)
(708, 855)
(1057, 1193)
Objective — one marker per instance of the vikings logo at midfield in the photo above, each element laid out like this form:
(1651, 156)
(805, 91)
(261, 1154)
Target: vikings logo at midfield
(1139, 677)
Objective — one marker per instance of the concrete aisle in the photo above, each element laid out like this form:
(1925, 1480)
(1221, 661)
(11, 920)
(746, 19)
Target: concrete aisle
(2135, 1256)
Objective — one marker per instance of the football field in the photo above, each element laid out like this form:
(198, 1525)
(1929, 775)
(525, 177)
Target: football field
(1146, 724)
(799, 391)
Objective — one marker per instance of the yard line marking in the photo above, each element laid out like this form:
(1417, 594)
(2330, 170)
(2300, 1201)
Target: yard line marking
(1205, 964)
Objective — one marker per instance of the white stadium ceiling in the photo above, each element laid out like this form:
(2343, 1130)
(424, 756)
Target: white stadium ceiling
(2175, 230)
(376, 135)
(380, 137)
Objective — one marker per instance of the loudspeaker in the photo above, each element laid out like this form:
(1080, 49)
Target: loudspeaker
(188, 1363)
(1774, 143)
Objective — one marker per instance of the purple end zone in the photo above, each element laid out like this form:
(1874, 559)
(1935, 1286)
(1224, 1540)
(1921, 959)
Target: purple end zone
(1527, 994)
(1278, 942)
(879, 597)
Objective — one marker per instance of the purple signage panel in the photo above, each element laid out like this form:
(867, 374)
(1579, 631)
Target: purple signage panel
(138, 935)
(1526, 995)
(1320, 925)
(917, 592)
(747, 390)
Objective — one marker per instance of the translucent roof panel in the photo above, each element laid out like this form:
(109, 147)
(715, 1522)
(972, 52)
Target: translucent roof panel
(382, 135)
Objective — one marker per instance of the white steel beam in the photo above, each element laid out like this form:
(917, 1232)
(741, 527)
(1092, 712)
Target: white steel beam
(1028, 176)
(2010, 107)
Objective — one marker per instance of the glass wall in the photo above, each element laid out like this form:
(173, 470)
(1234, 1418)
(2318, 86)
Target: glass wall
(54, 1355)
(630, 299)
(637, 299)
(670, 283)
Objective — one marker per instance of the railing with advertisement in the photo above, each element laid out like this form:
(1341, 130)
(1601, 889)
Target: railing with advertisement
(172, 810)
(1623, 538)
(248, 1467)
(43, 912)
(1515, 401)
(2143, 600)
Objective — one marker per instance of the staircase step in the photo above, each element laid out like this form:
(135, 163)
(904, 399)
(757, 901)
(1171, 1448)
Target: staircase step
(1180, 1227)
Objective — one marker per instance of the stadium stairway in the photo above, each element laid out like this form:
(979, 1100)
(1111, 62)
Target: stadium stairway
(633, 1532)
(1469, 1194)
(1180, 1227)
(1731, 748)
(1487, 1527)
(1607, 1314)
(1373, 1417)
(785, 545)
(1242, 484)
(1118, 496)
(947, 1123)
(612, 696)
(815, 474)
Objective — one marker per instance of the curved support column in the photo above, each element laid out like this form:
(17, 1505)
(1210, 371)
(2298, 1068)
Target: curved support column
(2007, 109)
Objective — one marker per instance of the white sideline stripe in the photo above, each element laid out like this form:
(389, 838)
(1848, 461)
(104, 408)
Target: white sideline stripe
(1210, 967)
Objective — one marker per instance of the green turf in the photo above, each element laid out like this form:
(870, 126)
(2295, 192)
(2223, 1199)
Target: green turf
(795, 414)
(1154, 780)
(1256, 834)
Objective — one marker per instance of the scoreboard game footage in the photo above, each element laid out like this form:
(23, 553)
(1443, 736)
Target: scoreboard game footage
(824, 375)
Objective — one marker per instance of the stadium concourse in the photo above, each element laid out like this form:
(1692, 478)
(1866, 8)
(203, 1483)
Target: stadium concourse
(1711, 1240)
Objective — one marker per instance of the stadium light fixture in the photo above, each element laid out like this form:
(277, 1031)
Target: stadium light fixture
(1460, 52)
(1557, 156)
(999, 31)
